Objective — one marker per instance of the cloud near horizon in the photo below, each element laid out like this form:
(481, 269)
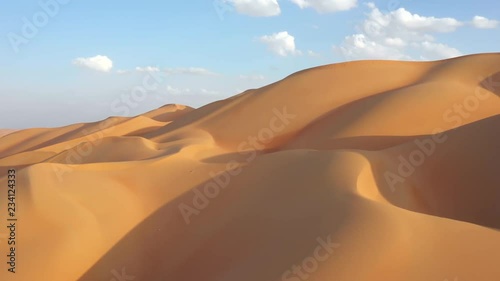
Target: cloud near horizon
(98, 63)
(195, 71)
(191, 71)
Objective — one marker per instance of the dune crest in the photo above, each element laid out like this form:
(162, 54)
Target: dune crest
(367, 170)
(4, 132)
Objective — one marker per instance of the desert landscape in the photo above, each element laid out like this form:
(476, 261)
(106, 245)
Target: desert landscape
(365, 170)
(4, 132)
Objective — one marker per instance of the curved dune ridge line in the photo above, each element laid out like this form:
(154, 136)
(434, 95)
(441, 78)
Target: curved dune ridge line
(4, 132)
(367, 170)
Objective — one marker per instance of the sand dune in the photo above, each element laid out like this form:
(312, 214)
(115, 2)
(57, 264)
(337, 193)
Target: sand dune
(368, 170)
(4, 132)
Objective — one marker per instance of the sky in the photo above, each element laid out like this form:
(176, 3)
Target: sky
(70, 61)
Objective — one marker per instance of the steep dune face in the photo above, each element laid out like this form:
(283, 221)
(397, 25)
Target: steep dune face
(455, 177)
(371, 170)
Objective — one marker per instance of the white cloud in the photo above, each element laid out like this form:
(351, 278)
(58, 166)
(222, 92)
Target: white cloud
(177, 91)
(395, 42)
(312, 53)
(199, 71)
(122, 71)
(257, 8)
(97, 63)
(208, 92)
(139, 69)
(425, 24)
(187, 91)
(281, 43)
(359, 46)
(326, 6)
(398, 35)
(252, 77)
(147, 69)
(435, 51)
(191, 71)
(484, 23)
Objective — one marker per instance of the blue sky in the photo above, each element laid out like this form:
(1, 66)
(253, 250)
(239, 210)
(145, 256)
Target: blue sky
(68, 61)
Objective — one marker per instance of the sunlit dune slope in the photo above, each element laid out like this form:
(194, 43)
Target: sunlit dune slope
(4, 132)
(367, 170)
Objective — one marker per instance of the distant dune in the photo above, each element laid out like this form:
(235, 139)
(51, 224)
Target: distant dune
(359, 171)
(4, 132)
